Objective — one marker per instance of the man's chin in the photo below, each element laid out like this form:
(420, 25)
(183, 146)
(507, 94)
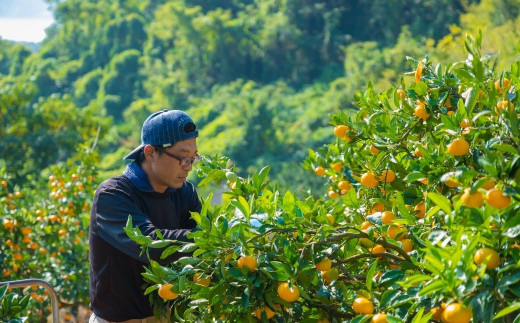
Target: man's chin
(177, 184)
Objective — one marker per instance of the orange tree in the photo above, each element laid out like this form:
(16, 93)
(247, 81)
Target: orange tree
(44, 230)
(419, 222)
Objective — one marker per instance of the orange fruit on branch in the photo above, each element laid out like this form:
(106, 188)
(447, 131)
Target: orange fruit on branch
(369, 179)
(458, 147)
(287, 293)
(394, 230)
(401, 94)
(201, 281)
(362, 305)
(421, 210)
(388, 217)
(497, 198)
(374, 150)
(483, 253)
(248, 261)
(320, 171)
(337, 167)
(379, 318)
(330, 275)
(166, 293)
(457, 313)
(420, 111)
(418, 72)
(264, 309)
(387, 176)
(505, 83)
(340, 131)
(324, 265)
(473, 200)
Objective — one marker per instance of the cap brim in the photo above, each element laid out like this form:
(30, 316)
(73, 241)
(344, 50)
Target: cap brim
(134, 154)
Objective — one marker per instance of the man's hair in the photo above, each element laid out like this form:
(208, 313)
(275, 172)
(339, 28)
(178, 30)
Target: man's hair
(141, 158)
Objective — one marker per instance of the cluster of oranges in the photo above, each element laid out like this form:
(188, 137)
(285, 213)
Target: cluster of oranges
(45, 236)
(442, 144)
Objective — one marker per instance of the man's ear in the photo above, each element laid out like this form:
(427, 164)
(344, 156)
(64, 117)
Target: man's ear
(149, 152)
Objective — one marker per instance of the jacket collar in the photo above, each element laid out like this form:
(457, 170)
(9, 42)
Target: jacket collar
(139, 178)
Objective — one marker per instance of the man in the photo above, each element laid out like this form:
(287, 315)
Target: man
(153, 190)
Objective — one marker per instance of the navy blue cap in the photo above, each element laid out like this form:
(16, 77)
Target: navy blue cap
(165, 128)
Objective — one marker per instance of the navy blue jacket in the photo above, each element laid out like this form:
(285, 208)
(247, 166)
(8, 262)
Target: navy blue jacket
(116, 284)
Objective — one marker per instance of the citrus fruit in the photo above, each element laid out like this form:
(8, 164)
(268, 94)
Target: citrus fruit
(379, 318)
(369, 179)
(483, 253)
(489, 184)
(378, 249)
(202, 282)
(420, 111)
(458, 147)
(340, 131)
(418, 72)
(248, 261)
(387, 217)
(401, 94)
(505, 83)
(166, 293)
(362, 305)
(333, 194)
(394, 230)
(496, 198)
(287, 293)
(418, 152)
(457, 313)
(407, 245)
(330, 275)
(320, 171)
(344, 185)
(421, 209)
(472, 200)
(264, 309)
(387, 176)
(324, 265)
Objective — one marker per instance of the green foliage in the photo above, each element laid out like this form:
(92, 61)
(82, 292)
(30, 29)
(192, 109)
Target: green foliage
(35, 136)
(11, 306)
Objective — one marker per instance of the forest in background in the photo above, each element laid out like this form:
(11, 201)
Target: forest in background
(260, 78)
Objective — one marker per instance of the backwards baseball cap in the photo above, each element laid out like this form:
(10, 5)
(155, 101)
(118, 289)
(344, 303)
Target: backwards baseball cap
(165, 128)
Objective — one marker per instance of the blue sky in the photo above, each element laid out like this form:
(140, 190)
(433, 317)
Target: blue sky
(24, 20)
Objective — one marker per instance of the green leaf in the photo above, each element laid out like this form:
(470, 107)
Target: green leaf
(370, 275)
(245, 297)
(471, 100)
(189, 247)
(159, 244)
(432, 288)
(187, 261)
(169, 251)
(3, 290)
(288, 202)
(512, 232)
(506, 148)
(391, 277)
(440, 201)
(413, 176)
(510, 309)
(151, 289)
(421, 89)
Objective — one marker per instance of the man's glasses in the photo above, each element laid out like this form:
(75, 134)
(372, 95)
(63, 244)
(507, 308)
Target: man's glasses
(183, 161)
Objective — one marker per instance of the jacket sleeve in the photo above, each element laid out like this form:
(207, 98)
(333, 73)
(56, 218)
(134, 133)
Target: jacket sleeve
(113, 209)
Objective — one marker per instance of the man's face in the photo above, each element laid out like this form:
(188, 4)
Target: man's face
(166, 171)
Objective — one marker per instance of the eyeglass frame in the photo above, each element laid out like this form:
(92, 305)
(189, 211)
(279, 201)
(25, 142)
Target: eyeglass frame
(183, 161)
